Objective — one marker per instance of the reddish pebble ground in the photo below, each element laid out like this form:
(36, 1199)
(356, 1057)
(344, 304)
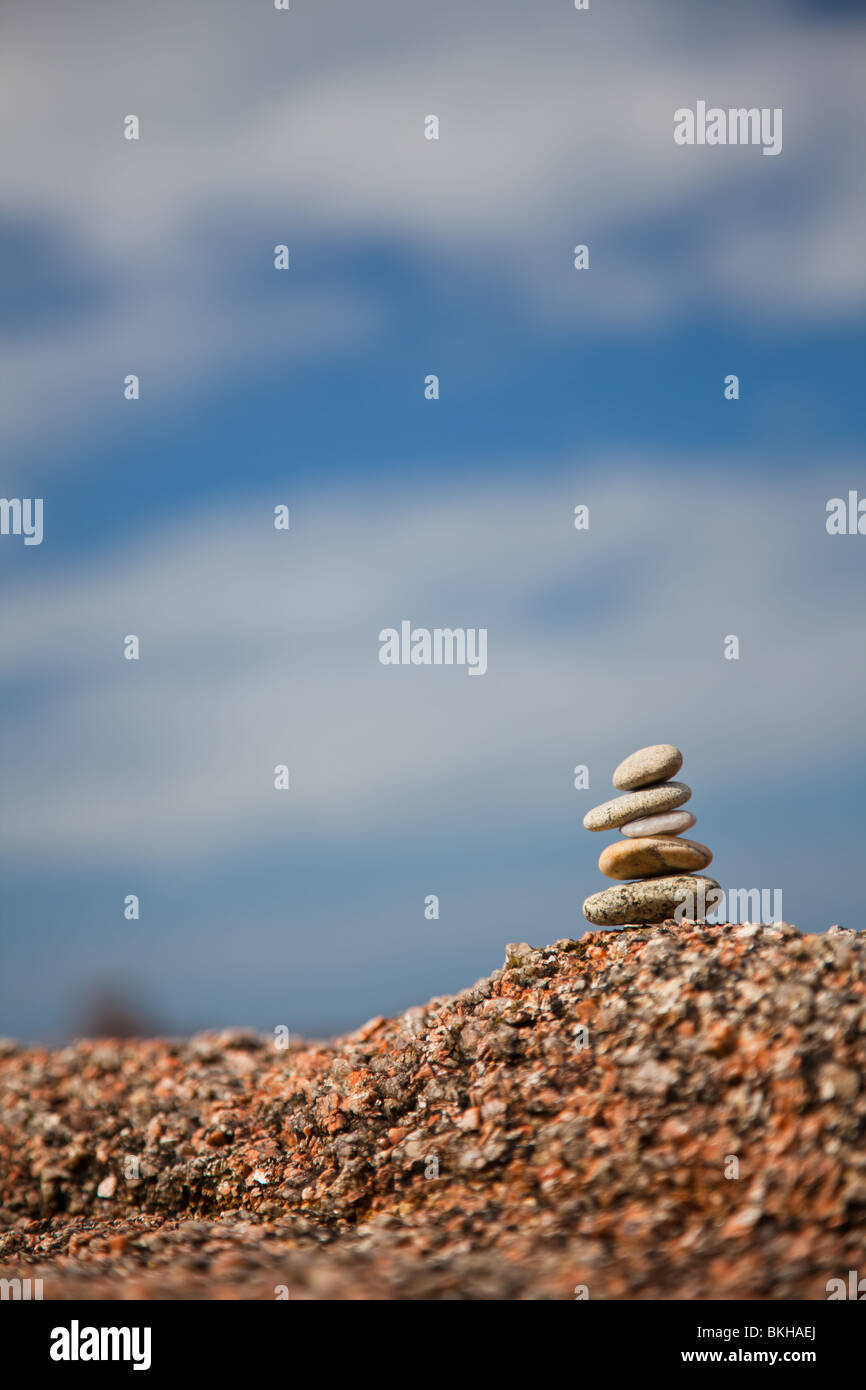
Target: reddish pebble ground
(674, 1111)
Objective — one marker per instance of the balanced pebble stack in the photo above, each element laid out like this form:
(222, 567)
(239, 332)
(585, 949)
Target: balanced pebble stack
(652, 854)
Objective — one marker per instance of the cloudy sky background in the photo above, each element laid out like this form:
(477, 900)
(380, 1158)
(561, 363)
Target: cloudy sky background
(603, 387)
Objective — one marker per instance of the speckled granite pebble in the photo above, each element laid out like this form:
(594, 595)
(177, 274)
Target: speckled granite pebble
(666, 823)
(656, 763)
(663, 797)
(653, 855)
(652, 900)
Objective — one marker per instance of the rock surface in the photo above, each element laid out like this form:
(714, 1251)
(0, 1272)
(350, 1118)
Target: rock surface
(665, 823)
(656, 763)
(595, 1158)
(650, 900)
(653, 855)
(622, 809)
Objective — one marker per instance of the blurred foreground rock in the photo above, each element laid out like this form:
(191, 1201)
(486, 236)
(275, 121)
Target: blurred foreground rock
(676, 1111)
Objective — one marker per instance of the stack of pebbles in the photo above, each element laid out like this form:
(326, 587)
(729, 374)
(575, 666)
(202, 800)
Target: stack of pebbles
(652, 853)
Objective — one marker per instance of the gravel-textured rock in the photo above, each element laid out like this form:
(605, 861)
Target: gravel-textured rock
(676, 1111)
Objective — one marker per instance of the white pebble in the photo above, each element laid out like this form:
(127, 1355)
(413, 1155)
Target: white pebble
(665, 823)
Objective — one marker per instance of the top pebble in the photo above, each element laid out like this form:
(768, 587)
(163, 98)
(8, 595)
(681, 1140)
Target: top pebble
(654, 764)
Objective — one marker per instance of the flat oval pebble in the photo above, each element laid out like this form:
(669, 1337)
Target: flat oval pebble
(664, 797)
(653, 855)
(656, 763)
(666, 823)
(653, 900)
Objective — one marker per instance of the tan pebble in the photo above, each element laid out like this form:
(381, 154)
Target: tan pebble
(652, 855)
(656, 763)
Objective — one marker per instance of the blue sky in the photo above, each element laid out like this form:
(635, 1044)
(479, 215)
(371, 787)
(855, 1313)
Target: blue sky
(558, 387)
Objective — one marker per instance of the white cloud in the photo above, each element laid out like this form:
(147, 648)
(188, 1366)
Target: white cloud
(556, 128)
